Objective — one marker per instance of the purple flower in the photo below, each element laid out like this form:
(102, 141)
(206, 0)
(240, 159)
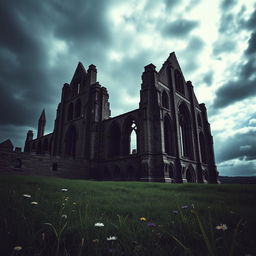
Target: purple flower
(184, 206)
(151, 224)
(175, 212)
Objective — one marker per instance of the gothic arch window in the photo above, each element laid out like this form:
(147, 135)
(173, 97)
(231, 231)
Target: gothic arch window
(179, 83)
(185, 130)
(171, 171)
(202, 147)
(130, 140)
(165, 100)
(199, 121)
(70, 112)
(130, 173)
(190, 174)
(114, 140)
(117, 173)
(45, 145)
(70, 141)
(168, 136)
(78, 108)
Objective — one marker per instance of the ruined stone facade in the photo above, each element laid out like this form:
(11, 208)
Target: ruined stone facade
(167, 139)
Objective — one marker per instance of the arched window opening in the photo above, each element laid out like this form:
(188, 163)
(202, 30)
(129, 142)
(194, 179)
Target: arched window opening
(78, 88)
(199, 121)
(179, 83)
(130, 137)
(190, 175)
(17, 163)
(168, 136)
(185, 132)
(70, 141)
(78, 108)
(55, 167)
(171, 172)
(107, 174)
(165, 100)
(45, 146)
(202, 147)
(33, 146)
(114, 140)
(70, 112)
(131, 173)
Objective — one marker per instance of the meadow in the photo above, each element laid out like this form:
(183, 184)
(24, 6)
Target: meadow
(53, 216)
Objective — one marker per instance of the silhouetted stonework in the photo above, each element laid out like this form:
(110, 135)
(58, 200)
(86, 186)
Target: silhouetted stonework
(172, 140)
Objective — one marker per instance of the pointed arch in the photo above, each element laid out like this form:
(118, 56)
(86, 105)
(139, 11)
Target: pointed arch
(168, 135)
(117, 173)
(78, 108)
(165, 100)
(70, 141)
(114, 140)
(179, 83)
(185, 129)
(70, 112)
(190, 174)
(202, 147)
(130, 136)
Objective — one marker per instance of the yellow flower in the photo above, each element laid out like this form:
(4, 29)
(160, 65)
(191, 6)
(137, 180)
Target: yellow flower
(34, 203)
(222, 227)
(142, 219)
(17, 248)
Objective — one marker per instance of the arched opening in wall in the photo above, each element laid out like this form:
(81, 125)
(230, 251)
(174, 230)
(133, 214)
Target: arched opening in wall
(54, 167)
(70, 112)
(202, 147)
(117, 173)
(70, 141)
(190, 174)
(199, 121)
(165, 100)
(205, 175)
(179, 83)
(78, 108)
(45, 146)
(50, 145)
(114, 140)
(185, 130)
(171, 171)
(39, 147)
(17, 163)
(130, 140)
(168, 136)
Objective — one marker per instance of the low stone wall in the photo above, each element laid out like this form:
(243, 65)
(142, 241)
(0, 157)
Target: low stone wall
(44, 165)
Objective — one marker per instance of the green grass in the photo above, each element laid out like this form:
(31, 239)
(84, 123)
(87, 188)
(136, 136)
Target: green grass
(43, 229)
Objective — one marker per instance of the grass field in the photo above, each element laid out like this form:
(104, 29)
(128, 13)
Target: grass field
(138, 218)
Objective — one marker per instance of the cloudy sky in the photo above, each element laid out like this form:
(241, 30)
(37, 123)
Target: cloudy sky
(41, 43)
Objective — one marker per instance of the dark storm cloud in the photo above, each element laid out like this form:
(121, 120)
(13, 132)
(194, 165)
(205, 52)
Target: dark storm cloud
(179, 28)
(243, 87)
(242, 146)
(224, 46)
(208, 78)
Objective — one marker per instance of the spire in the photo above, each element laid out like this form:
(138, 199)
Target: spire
(41, 125)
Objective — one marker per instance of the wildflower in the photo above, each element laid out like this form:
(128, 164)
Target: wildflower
(184, 206)
(175, 212)
(64, 216)
(151, 224)
(95, 241)
(222, 227)
(112, 238)
(64, 189)
(27, 196)
(34, 203)
(98, 224)
(74, 203)
(66, 198)
(17, 248)
(142, 219)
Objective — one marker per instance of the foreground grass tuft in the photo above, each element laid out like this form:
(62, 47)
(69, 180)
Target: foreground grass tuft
(52, 216)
